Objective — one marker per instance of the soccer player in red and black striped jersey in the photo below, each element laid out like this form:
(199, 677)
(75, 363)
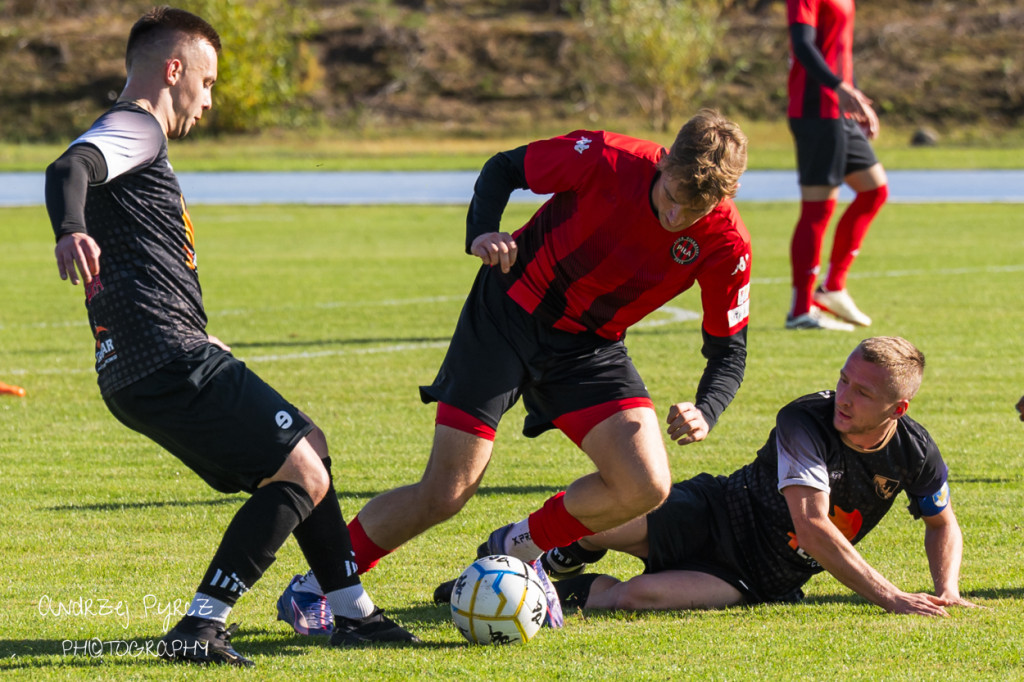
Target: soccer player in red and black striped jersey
(831, 469)
(831, 121)
(630, 226)
(122, 226)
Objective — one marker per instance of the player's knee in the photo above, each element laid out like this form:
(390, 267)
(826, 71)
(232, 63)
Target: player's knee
(317, 482)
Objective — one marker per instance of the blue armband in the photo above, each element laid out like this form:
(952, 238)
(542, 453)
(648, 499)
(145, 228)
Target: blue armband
(934, 504)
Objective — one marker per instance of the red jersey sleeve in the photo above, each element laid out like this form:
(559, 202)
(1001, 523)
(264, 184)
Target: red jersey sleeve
(802, 12)
(725, 283)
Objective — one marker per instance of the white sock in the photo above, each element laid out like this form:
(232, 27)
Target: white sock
(351, 602)
(309, 583)
(205, 606)
(519, 542)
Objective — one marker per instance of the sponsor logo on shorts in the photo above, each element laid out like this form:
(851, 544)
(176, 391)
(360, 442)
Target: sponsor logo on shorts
(685, 250)
(283, 419)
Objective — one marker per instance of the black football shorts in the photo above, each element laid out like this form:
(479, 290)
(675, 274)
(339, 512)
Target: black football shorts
(500, 352)
(827, 150)
(691, 532)
(215, 415)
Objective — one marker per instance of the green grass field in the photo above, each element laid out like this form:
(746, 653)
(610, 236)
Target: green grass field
(347, 309)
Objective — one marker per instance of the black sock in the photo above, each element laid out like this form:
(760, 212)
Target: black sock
(570, 556)
(253, 537)
(574, 592)
(324, 540)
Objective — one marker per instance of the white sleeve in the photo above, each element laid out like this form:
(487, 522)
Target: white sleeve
(800, 462)
(127, 141)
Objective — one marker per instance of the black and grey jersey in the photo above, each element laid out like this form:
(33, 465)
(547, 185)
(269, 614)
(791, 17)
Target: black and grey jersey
(805, 449)
(146, 306)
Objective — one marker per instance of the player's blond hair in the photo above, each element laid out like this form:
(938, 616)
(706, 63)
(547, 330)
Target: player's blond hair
(901, 358)
(707, 158)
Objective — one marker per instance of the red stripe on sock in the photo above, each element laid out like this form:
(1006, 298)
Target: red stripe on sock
(805, 251)
(455, 418)
(367, 552)
(553, 526)
(576, 425)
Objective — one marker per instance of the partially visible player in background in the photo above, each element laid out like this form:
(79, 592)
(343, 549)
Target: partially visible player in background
(831, 121)
(122, 227)
(1020, 408)
(630, 226)
(831, 469)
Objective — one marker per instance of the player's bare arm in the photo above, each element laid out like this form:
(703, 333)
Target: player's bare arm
(77, 253)
(686, 424)
(819, 537)
(495, 248)
(943, 543)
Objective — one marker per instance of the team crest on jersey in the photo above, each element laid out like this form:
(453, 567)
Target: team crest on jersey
(685, 250)
(885, 487)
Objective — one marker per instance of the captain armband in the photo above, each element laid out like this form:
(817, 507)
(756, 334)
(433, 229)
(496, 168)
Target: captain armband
(934, 504)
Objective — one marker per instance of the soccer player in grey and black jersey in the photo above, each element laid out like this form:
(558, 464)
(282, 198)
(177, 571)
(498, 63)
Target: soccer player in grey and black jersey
(124, 231)
(831, 469)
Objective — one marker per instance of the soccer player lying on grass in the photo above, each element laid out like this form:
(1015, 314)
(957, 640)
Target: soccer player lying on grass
(839, 459)
(630, 226)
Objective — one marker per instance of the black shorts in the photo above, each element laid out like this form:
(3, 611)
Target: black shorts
(215, 415)
(827, 150)
(691, 531)
(500, 352)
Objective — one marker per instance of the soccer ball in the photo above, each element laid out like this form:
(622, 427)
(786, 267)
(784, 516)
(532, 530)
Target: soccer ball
(498, 600)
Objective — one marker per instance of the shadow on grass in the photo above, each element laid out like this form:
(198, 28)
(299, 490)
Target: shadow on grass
(121, 506)
(485, 491)
(237, 345)
(969, 595)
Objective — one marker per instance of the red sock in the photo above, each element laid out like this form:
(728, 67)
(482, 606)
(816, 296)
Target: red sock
(367, 552)
(805, 251)
(553, 526)
(850, 232)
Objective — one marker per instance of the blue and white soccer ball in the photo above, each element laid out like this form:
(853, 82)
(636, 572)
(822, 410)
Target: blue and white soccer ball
(498, 600)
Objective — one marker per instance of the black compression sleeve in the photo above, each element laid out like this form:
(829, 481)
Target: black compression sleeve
(802, 36)
(67, 183)
(503, 173)
(727, 360)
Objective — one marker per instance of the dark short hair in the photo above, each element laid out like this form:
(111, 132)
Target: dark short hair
(162, 22)
(707, 158)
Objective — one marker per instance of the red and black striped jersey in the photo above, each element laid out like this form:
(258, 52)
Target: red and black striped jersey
(595, 257)
(832, 21)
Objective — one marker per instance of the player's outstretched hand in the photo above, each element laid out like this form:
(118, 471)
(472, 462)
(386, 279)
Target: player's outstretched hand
(919, 604)
(77, 250)
(495, 248)
(686, 424)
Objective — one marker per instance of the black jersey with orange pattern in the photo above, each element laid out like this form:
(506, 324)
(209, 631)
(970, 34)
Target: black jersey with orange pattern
(804, 448)
(145, 306)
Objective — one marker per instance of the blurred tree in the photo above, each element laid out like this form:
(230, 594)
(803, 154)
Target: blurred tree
(664, 46)
(267, 72)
